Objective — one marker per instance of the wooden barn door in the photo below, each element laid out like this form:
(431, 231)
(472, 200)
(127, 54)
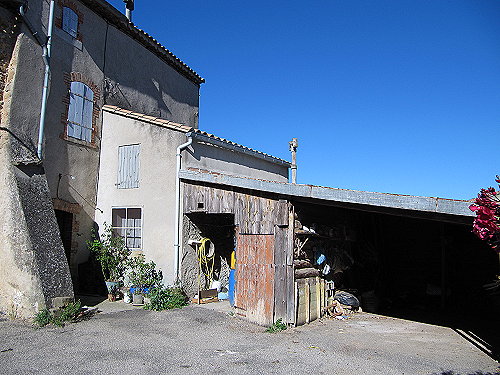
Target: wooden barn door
(254, 297)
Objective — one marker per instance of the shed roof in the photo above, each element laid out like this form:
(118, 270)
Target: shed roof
(345, 197)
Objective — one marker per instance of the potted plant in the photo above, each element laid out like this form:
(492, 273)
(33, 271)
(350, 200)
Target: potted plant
(143, 276)
(111, 252)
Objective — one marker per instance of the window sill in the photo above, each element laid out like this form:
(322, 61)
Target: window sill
(68, 38)
(77, 141)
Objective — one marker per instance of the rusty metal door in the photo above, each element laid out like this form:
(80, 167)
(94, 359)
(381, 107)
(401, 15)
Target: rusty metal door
(254, 297)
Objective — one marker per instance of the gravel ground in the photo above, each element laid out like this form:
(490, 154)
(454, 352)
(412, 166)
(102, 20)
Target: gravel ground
(197, 340)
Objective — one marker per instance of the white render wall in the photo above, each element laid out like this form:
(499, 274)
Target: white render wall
(156, 191)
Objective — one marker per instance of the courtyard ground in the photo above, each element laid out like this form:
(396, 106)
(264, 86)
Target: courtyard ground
(198, 340)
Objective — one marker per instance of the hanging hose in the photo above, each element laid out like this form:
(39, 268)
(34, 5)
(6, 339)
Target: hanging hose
(206, 257)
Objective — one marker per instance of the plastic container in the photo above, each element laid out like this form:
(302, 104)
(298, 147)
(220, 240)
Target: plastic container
(232, 285)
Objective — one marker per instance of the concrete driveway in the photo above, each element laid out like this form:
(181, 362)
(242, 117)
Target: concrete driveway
(196, 340)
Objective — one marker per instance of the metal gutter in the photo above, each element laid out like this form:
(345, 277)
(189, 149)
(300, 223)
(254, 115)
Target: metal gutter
(221, 142)
(177, 230)
(385, 200)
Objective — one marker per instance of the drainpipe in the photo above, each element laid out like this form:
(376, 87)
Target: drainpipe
(46, 47)
(294, 143)
(178, 206)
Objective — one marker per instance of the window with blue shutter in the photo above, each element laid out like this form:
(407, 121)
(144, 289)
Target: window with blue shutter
(80, 112)
(128, 166)
(70, 22)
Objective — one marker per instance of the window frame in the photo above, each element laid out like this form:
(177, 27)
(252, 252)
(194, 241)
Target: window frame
(125, 229)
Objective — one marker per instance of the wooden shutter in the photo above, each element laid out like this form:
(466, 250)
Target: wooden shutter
(70, 22)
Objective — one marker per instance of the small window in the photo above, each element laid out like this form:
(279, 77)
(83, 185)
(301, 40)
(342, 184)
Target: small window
(128, 167)
(80, 112)
(127, 223)
(70, 22)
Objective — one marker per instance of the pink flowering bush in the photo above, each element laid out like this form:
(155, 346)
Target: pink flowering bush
(487, 222)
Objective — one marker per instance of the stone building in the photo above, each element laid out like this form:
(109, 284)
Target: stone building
(90, 55)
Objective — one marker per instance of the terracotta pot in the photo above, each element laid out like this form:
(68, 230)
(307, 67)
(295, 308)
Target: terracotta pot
(137, 299)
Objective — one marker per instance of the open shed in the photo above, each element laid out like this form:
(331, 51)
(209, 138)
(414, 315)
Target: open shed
(295, 244)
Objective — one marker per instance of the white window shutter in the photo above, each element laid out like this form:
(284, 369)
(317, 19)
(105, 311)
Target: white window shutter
(128, 167)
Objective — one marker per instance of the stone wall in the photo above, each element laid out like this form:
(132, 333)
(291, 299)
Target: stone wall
(8, 35)
(34, 272)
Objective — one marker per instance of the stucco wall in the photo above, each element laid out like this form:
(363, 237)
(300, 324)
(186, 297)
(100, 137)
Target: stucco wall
(205, 156)
(155, 194)
(141, 82)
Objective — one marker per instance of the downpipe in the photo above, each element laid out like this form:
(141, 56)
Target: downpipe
(177, 231)
(46, 53)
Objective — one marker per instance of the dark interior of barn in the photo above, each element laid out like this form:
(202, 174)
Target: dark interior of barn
(408, 265)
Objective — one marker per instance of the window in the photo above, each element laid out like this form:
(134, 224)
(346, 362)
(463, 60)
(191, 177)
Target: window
(80, 112)
(127, 223)
(70, 22)
(128, 167)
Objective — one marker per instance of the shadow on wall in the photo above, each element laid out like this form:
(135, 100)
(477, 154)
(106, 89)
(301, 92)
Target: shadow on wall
(144, 81)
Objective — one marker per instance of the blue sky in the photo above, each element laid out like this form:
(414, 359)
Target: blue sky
(391, 96)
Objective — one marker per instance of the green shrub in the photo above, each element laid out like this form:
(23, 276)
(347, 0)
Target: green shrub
(166, 298)
(143, 275)
(111, 252)
(42, 318)
(66, 314)
(59, 317)
(278, 326)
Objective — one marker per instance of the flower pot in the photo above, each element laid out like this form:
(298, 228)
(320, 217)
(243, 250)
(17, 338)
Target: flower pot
(137, 299)
(112, 286)
(111, 297)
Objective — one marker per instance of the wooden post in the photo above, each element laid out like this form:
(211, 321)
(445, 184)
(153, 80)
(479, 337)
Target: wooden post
(318, 298)
(307, 296)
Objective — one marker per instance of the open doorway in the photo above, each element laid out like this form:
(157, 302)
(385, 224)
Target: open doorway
(210, 267)
(65, 223)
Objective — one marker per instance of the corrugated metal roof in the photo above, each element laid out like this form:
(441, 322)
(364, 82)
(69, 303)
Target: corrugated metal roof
(354, 197)
(183, 128)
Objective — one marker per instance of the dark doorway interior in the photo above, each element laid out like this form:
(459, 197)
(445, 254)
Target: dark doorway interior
(65, 222)
(219, 228)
